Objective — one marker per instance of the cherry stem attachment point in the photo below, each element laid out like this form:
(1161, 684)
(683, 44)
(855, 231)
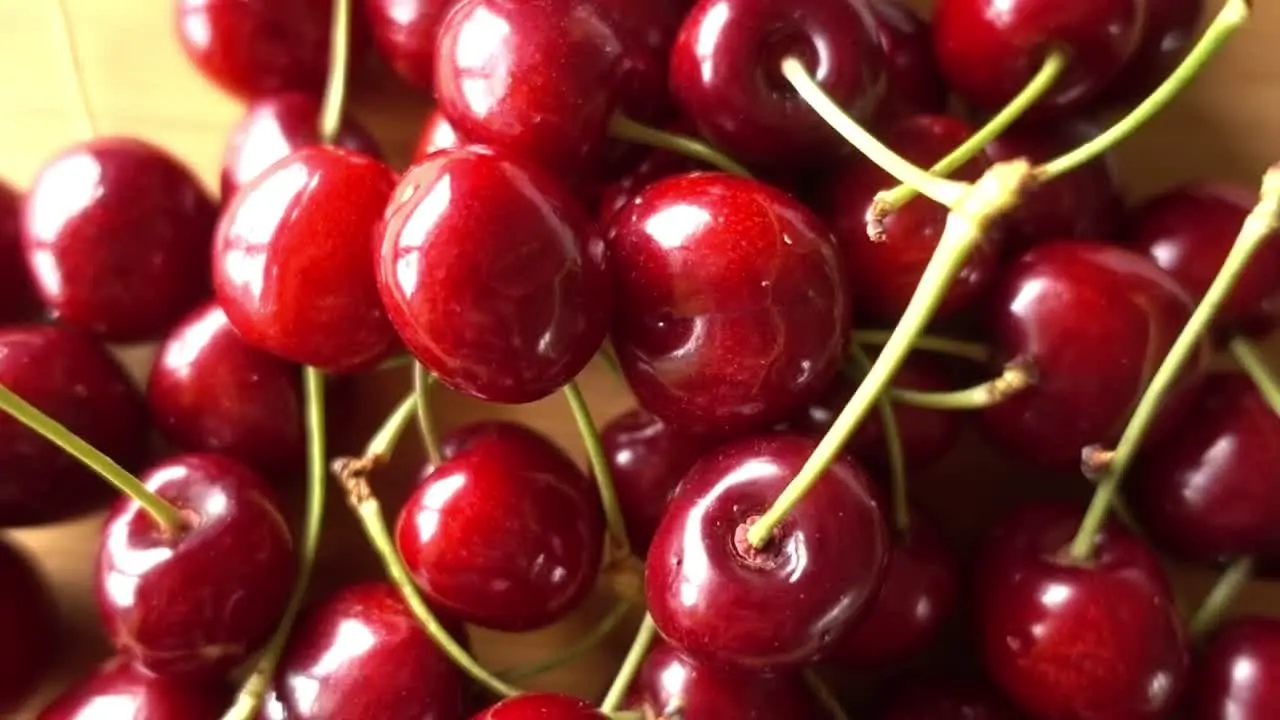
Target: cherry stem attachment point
(992, 196)
(1018, 375)
(630, 665)
(1220, 598)
(1250, 359)
(1112, 465)
(599, 468)
(423, 383)
(624, 128)
(607, 624)
(825, 697)
(976, 352)
(893, 448)
(339, 61)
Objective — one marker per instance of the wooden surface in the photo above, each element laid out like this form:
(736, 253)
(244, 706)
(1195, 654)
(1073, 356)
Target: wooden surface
(137, 81)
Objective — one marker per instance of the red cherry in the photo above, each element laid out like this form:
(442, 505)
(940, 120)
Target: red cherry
(938, 698)
(29, 626)
(493, 275)
(655, 166)
(541, 706)
(734, 344)
(200, 602)
(293, 264)
(1169, 31)
(119, 689)
(726, 75)
(724, 602)
(506, 534)
(116, 232)
(437, 134)
(914, 82)
(18, 299)
(1237, 673)
(71, 378)
(1095, 320)
(405, 33)
(1075, 641)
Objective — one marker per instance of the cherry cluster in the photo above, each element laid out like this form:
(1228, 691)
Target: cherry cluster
(808, 236)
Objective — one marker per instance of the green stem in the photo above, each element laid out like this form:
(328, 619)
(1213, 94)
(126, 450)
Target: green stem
(394, 363)
(893, 446)
(384, 440)
(1233, 14)
(610, 360)
(824, 695)
(165, 515)
(630, 665)
(1253, 236)
(1250, 359)
(423, 383)
(994, 194)
(336, 88)
(624, 128)
(1017, 376)
(977, 352)
(599, 467)
(77, 71)
(602, 629)
(1220, 597)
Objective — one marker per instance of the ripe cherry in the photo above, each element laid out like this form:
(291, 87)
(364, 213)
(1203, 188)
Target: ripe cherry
(944, 698)
(914, 84)
(120, 689)
(116, 233)
(293, 265)
(437, 134)
(721, 601)
(655, 166)
(29, 626)
(541, 706)
(735, 344)
(493, 275)
(18, 300)
(1237, 673)
(201, 600)
(405, 33)
(1169, 31)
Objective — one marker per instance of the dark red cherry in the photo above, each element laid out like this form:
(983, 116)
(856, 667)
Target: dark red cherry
(119, 689)
(437, 134)
(405, 33)
(914, 83)
(885, 272)
(1237, 674)
(203, 600)
(655, 166)
(506, 534)
(362, 654)
(541, 706)
(944, 698)
(721, 601)
(1189, 231)
(29, 626)
(990, 49)
(210, 391)
(1078, 640)
(734, 344)
(1096, 320)
(1169, 31)
(273, 127)
(493, 275)
(293, 261)
(69, 376)
(116, 233)
(18, 299)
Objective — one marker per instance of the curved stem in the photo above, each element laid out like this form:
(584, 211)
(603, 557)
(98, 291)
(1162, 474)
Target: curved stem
(77, 71)
(165, 514)
(977, 352)
(1233, 14)
(994, 194)
(940, 190)
(423, 383)
(1112, 466)
(599, 467)
(1017, 376)
(630, 665)
(893, 446)
(1220, 597)
(384, 440)
(624, 128)
(602, 629)
(1250, 359)
(824, 695)
(336, 88)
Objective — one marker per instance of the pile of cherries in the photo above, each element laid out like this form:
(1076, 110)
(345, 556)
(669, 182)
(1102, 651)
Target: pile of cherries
(671, 186)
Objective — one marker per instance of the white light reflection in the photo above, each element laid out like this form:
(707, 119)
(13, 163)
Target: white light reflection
(255, 216)
(434, 501)
(673, 225)
(481, 58)
(417, 229)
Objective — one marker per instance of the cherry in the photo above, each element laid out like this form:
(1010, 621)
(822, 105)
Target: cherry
(1095, 320)
(210, 391)
(990, 49)
(735, 344)
(1236, 674)
(29, 626)
(493, 275)
(939, 698)
(362, 654)
(116, 233)
(1169, 31)
(273, 127)
(293, 264)
(721, 601)
(201, 601)
(437, 134)
(655, 166)
(70, 377)
(405, 33)
(914, 82)
(885, 271)
(507, 533)
(120, 689)
(541, 706)
(18, 299)
(1067, 640)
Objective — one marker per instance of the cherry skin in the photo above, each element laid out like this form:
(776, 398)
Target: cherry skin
(116, 233)
(18, 299)
(493, 275)
(293, 266)
(120, 689)
(723, 602)
(1237, 673)
(541, 706)
(506, 534)
(914, 82)
(70, 377)
(656, 165)
(405, 33)
(740, 343)
(437, 134)
(989, 50)
(210, 391)
(1169, 31)
(1068, 640)
(938, 698)
(1095, 320)
(202, 601)
(29, 626)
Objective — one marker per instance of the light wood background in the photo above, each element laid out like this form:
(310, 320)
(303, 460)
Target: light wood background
(138, 82)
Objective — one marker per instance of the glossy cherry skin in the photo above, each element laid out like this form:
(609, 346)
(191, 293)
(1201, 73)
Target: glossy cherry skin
(200, 602)
(913, 81)
(210, 391)
(437, 134)
(29, 626)
(273, 127)
(1169, 31)
(362, 654)
(1075, 641)
(722, 602)
(739, 343)
(1237, 674)
(18, 299)
(938, 698)
(116, 233)
(405, 33)
(541, 706)
(885, 272)
(293, 260)
(493, 275)
(1189, 231)
(70, 377)
(506, 534)
(120, 689)
(1095, 320)
(655, 166)
(989, 50)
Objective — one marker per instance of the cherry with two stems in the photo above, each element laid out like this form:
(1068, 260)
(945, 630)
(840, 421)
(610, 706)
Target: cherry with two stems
(29, 626)
(119, 688)
(18, 299)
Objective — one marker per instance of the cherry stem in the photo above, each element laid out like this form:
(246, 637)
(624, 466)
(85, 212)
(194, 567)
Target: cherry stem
(977, 352)
(945, 192)
(887, 201)
(384, 440)
(1251, 361)
(1018, 375)
(335, 90)
(823, 693)
(599, 467)
(994, 194)
(624, 128)
(1220, 598)
(610, 360)
(395, 363)
(423, 383)
(77, 71)
(630, 665)
(1229, 19)
(893, 447)
(602, 630)
(1109, 467)
(165, 514)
